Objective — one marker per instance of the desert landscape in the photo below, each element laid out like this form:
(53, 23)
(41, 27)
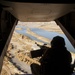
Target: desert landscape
(18, 58)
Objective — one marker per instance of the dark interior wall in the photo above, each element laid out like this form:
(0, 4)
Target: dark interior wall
(68, 21)
(67, 24)
(7, 26)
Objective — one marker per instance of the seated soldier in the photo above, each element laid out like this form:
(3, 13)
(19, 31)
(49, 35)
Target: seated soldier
(55, 60)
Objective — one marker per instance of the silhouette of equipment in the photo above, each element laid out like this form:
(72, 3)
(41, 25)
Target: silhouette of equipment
(39, 52)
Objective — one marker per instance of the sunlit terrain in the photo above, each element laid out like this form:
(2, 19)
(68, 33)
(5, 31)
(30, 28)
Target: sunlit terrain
(18, 55)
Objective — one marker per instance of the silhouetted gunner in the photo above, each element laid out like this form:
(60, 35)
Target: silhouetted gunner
(55, 61)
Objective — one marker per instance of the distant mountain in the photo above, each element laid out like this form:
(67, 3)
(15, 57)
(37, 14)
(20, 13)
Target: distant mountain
(48, 26)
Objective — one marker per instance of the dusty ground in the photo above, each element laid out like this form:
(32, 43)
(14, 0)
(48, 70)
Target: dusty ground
(18, 52)
(19, 47)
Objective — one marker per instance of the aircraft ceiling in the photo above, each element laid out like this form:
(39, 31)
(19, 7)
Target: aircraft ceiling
(37, 12)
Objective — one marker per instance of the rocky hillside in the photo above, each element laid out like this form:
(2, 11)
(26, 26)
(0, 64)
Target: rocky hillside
(48, 26)
(19, 53)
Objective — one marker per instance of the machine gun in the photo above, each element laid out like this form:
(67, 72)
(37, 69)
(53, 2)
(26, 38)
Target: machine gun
(39, 52)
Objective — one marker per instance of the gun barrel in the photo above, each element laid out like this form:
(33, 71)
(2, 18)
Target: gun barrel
(40, 45)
